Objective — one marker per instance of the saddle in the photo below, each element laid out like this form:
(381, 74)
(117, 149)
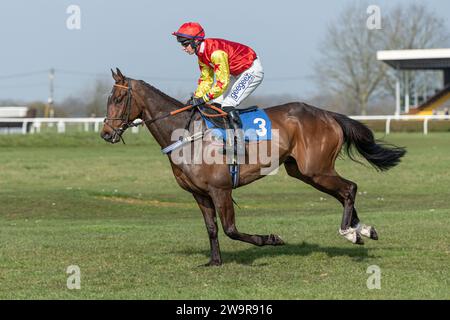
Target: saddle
(222, 122)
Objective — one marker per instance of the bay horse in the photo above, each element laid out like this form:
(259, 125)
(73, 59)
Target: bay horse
(309, 140)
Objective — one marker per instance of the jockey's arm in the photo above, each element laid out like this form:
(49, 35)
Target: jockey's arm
(221, 74)
(205, 81)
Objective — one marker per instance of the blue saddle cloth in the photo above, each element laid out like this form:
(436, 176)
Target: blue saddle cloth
(255, 123)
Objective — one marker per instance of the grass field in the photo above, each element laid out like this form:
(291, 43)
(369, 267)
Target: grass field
(118, 214)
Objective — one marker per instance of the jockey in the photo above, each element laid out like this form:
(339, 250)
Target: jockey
(229, 71)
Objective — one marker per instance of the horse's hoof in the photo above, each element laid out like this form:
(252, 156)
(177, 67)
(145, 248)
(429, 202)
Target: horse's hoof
(373, 234)
(352, 235)
(359, 240)
(275, 240)
(368, 231)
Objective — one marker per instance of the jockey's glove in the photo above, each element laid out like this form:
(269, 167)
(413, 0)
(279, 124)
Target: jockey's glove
(196, 102)
(189, 102)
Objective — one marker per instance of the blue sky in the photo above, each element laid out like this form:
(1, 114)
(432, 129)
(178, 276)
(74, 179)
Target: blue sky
(135, 35)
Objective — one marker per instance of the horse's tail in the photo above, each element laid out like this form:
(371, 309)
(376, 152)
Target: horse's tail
(380, 155)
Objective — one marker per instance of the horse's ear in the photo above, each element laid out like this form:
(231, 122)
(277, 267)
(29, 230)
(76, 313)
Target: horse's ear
(115, 76)
(120, 74)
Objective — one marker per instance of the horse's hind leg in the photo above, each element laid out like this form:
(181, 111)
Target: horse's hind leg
(343, 190)
(224, 204)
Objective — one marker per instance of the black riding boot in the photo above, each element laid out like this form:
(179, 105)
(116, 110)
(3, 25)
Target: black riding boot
(236, 123)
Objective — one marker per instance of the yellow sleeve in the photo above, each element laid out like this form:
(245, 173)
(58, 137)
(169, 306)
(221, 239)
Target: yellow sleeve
(221, 73)
(205, 81)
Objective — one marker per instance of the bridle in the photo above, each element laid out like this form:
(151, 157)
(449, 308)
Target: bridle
(125, 116)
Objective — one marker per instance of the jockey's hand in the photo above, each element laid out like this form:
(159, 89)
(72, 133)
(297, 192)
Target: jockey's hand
(197, 101)
(189, 102)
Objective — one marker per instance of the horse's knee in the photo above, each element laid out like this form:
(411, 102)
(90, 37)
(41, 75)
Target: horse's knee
(212, 232)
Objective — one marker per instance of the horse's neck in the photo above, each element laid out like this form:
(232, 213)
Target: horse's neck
(157, 104)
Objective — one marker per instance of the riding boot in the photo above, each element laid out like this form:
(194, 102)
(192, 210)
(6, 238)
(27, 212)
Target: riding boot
(236, 123)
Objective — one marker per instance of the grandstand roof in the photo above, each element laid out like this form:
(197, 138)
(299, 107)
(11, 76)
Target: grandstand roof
(419, 59)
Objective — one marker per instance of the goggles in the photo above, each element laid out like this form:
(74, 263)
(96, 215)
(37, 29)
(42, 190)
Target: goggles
(184, 41)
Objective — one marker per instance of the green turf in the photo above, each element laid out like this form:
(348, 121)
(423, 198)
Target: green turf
(117, 213)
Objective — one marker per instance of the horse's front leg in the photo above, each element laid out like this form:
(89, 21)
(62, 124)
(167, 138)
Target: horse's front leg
(209, 214)
(224, 204)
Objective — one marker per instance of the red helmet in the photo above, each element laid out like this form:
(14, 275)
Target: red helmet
(190, 30)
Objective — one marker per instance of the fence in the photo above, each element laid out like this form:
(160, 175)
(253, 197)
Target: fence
(59, 123)
(96, 123)
(389, 119)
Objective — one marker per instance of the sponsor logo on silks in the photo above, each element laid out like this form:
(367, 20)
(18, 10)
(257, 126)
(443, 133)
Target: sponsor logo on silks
(241, 86)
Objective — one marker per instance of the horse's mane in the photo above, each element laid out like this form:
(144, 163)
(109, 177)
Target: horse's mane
(159, 92)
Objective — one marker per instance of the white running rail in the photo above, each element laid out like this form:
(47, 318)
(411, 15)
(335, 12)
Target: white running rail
(388, 120)
(60, 123)
(36, 123)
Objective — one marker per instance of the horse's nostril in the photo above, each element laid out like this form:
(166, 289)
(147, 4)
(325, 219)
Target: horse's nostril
(106, 135)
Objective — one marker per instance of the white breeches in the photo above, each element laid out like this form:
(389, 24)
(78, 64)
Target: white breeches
(242, 86)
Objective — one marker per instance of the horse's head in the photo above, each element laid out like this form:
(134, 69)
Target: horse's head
(122, 108)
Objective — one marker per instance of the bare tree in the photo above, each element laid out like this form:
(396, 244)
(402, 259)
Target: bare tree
(348, 66)
(414, 27)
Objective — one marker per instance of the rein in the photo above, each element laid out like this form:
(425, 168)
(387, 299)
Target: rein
(125, 116)
(221, 113)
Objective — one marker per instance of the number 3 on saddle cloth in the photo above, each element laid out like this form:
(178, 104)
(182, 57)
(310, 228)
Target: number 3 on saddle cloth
(255, 124)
